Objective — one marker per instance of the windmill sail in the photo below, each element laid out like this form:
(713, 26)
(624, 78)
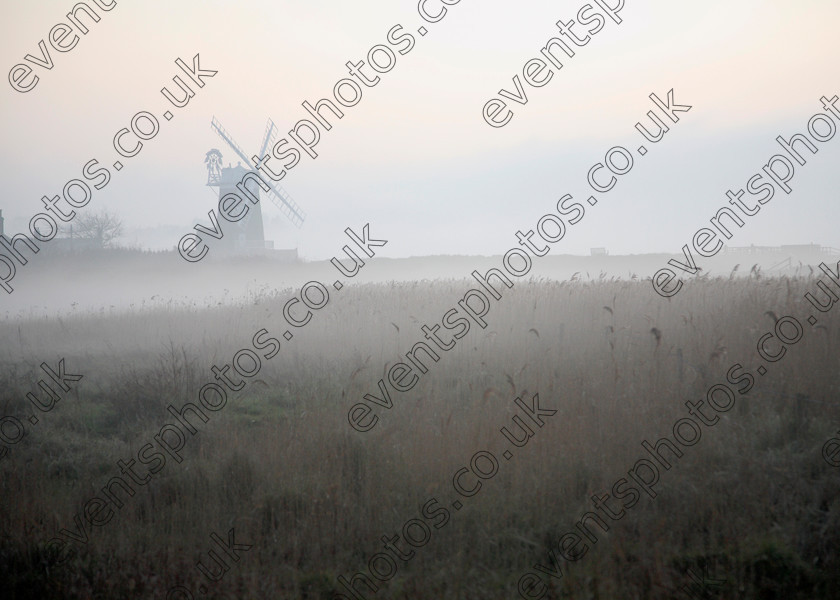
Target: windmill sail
(278, 196)
(270, 135)
(281, 199)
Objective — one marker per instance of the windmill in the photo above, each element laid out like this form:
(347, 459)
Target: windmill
(250, 233)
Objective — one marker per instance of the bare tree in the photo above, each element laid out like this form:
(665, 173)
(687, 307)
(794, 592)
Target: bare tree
(103, 227)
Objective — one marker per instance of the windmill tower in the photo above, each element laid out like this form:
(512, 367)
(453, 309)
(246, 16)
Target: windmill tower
(248, 234)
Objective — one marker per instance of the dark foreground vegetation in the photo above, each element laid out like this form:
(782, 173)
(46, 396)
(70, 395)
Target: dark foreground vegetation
(753, 503)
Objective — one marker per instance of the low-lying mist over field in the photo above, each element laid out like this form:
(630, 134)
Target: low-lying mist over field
(122, 279)
(191, 420)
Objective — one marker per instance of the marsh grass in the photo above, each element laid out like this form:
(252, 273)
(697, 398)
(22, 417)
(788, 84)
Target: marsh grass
(281, 465)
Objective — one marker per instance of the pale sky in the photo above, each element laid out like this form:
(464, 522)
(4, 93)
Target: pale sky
(415, 158)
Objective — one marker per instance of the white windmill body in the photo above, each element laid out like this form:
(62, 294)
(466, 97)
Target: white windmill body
(248, 235)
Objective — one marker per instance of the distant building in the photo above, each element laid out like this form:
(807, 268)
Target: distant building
(245, 237)
(598, 252)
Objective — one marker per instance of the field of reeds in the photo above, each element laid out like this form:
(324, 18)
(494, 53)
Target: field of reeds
(753, 503)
